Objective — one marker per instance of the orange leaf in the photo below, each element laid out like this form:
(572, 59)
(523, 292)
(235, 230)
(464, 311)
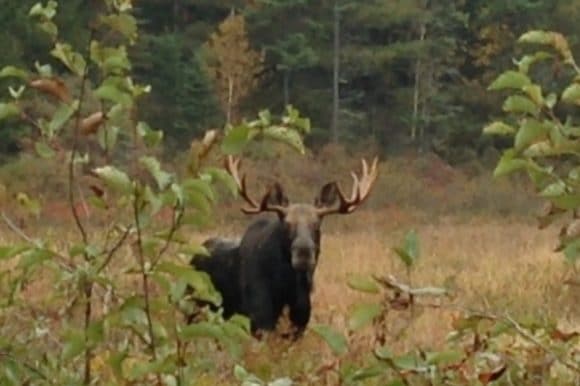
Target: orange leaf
(90, 124)
(53, 86)
(563, 336)
(493, 375)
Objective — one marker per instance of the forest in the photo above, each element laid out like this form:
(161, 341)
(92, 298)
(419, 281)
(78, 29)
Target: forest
(408, 74)
(290, 192)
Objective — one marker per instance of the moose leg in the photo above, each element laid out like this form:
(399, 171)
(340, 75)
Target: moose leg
(300, 313)
(258, 306)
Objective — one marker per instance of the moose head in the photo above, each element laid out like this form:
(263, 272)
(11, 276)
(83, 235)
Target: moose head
(301, 221)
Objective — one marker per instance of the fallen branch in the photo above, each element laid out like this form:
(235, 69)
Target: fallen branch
(391, 282)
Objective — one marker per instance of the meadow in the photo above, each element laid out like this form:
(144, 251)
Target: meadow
(477, 235)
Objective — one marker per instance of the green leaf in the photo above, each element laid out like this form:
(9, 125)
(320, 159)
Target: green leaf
(8, 252)
(445, 358)
(407, 362)
(151, 137)
(554, 190)
(510, 80)
(198, 280)
(45, 70)
(572, 251)
(200, 186)
(409, 252)
(16, 93)
(112, 60)
(115, 179)
(554, 39)
(163, 178)
(72, 60)
(536, 37)
(572, 94)
(43, 150)
(265, 117)
(107, 137)
(9, 110)
(202, 330)
(46, 12)
(383, 353)
(551, 100)
(363, 284)
(114, 89)
(530, 131)
(50, 28)
(508, 164)
(236, 139)
(520, 104)
(535, 93)
(567, 201)
(287, 136)
(222, 176)
(335, 340)
(499, 128)
(363, 314)
(404, 256)
(527, 61)
(74, 345)
(197, 200)
(29, 204)
(11, 71)
(122, 23)
(61, 117)
(34, 257)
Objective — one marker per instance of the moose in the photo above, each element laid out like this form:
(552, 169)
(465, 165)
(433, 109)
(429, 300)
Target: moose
(273, 264)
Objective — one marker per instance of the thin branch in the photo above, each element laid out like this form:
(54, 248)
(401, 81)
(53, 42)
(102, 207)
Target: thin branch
(176, 222)
(61, 259)
(525, 334)
(30, 367)
(88, 285)
(145, 276)
(19, 231)
(114, 249)
(391, 282)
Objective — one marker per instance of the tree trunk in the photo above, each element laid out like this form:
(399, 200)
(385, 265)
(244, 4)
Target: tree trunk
(286, 87)
(336, 74)
(425, 105)
(176, 15)
(230, 100)
(417, 86)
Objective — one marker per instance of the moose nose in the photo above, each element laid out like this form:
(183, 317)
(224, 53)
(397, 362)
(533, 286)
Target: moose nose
(302, 252)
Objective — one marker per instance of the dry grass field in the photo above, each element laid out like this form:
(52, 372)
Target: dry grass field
(497, 261)
(496, 265)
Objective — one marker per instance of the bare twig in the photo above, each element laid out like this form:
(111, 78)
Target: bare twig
(144, 274)
(114, 249)
(391, 282)
(176, 222)
(61, 260)
(526, 335)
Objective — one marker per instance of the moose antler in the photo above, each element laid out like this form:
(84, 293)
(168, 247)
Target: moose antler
(360, 190)
(232, 166)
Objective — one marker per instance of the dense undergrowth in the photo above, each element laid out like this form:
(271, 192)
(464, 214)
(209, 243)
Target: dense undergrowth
(100, 299)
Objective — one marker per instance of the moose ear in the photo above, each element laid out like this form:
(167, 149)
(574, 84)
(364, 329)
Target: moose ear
(276, 196)
(327, 196)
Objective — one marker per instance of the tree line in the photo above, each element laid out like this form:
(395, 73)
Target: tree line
(401, 73)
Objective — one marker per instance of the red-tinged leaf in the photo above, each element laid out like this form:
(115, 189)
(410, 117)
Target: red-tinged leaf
(91, 124)
(53, 86)
(493, 375)
(563, 336)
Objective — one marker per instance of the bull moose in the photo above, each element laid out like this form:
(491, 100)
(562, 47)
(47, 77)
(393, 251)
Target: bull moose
(276, 258)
